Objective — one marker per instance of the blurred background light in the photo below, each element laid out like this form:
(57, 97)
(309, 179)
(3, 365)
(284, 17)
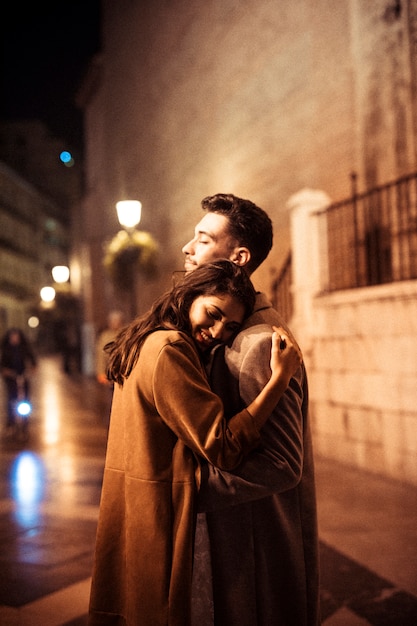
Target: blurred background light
(33, 321)
(60, 273)
(65, 156)
(47, 294)
(129, 212)
(27, 482)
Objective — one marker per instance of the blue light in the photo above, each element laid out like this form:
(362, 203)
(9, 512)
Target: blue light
(65, 156)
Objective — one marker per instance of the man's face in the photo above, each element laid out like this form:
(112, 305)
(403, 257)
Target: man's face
(210, 242)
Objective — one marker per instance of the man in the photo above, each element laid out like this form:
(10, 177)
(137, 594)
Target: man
(261, 520)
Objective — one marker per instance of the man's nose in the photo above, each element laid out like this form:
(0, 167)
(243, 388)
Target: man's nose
(187, 249)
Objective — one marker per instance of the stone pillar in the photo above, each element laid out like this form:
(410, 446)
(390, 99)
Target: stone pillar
(309, 258)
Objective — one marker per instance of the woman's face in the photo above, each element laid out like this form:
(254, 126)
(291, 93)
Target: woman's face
(215, 319)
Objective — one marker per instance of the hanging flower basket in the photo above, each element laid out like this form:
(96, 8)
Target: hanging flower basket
(128, 253)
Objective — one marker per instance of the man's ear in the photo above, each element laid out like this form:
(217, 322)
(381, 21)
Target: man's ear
(240, 256)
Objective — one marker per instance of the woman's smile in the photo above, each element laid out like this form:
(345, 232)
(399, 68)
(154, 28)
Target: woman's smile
(204, 338)
(215, 319)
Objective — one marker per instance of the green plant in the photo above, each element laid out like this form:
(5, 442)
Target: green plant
(129, 252)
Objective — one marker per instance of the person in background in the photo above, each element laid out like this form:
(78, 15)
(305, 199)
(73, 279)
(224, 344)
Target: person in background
(258, 524)
(17, 361)
(164, 418)
(115, 321)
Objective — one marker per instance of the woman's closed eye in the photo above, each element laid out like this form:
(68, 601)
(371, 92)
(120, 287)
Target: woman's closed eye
(232, 327)
(214, 314)
(217, 316)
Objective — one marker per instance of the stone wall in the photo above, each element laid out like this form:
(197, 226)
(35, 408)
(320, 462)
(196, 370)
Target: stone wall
(363, 372)
(360, 347)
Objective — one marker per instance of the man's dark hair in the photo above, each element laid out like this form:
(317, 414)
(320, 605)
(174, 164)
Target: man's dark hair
(249, 225)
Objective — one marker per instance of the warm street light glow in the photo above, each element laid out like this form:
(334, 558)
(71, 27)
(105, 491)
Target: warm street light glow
(60, 273)
(47, 294)
(33, 321)
(129, 212)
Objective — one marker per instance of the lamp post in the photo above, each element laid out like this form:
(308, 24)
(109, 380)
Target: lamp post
(130, 252)
(129, 213)
(67, 320)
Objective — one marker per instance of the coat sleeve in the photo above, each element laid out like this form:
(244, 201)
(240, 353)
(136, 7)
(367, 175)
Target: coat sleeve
(195, 414)
(277, 464)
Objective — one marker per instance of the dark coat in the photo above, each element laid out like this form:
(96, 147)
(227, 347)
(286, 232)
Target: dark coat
(264, 549)
(163, 416)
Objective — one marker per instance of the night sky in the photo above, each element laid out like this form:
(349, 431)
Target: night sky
(45, 53)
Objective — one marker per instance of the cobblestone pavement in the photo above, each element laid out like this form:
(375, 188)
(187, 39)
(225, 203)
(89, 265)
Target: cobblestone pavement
(50, 485)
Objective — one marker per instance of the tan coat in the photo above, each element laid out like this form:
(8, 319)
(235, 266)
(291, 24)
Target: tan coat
(164, 413)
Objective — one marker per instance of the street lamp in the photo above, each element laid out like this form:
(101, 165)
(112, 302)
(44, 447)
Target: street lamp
(47, 294)
(129, 213)
(60, 273)
(130, 251)
(67, 320)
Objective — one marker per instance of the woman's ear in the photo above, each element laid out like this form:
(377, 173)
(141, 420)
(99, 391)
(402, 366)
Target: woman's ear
(240, 256)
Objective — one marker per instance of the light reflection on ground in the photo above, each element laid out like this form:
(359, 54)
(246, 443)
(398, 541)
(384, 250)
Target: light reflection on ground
(27, 487)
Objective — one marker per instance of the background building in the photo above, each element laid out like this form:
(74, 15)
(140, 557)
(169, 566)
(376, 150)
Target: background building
(37, 196)
(260, 98)
(266, 100)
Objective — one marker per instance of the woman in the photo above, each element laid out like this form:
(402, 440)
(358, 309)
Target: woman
(163, 417)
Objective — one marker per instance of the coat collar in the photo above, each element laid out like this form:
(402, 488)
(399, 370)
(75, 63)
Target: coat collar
(261, 302)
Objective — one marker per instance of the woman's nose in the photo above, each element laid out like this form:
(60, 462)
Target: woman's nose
(217, 331)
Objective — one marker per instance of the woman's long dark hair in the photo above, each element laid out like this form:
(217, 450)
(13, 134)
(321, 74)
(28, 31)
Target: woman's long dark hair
(171, 311)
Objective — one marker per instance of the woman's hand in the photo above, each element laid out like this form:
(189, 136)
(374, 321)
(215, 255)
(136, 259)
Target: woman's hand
(286, 355)
(286, 358)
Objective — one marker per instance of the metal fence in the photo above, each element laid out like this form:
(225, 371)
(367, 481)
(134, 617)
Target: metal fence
(368, 239)
(372, 237)
(281, 295)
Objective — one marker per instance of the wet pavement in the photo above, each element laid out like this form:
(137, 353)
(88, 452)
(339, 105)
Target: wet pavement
(49, 495)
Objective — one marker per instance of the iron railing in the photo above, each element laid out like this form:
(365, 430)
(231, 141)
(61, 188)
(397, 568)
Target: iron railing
(369, 239)
(372, 236)
(281, 294)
